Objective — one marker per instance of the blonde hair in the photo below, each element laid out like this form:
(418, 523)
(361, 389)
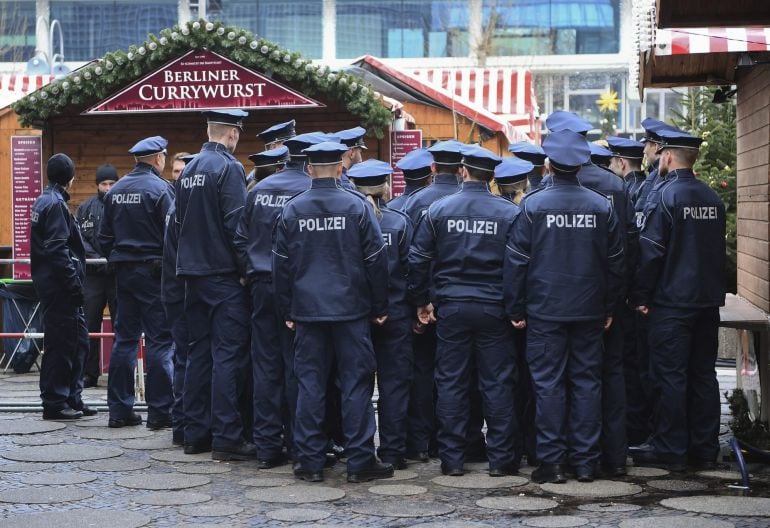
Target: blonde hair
(374, 191)
(517, 190)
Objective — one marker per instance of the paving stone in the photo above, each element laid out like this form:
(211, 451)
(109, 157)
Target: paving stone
(555, 521)
(479, 481)
(597, 488)
(297, 515)
(47, 495)
(61, 453)
(25, 394)
(675, 522)
(77, 519)
(264, 482)
(171, 498)
(721, 505)
(722, 474)
(211, 510)
(162, 481)
(179, 456)
(526, 470)
(677, 485)
(54, 479)
(101, 421)
(28, 426)
(37, 440)
(204, 469)
(402, 509)
(21, 467)
(96, 433)
(149, 444)
(639, 471)
(398, 490)
(476, 466)
(452, 524)
(612, 507)
(295, 494)
(286, 469)
(16, 387)
(114, 464)
(23, 379)
(403, 474)
(520, 503)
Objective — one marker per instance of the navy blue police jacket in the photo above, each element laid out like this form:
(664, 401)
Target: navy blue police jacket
(264, 203)
(134, 218)
(645, 188)
(464, 237)
(345, 181)
(210, 197)
(397, 234)
(399, 202)
(171, 286)
(564, 255)
(682, 247)
(57, 250)
(418, 202)
(329, 259)
(89, 215)
(634, 181)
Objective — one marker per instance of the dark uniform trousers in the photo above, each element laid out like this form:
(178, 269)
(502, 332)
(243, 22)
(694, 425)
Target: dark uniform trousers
(613, 440)
(217, 310)
(683, 353)
(565, 362)
(475, 333)
(524, 402)
(395, 363)
(138, 293)
(66, 345)
(422, 418)
(178, 324)
(275, 387)
(640, 394)
(98, 292)
(317, 346)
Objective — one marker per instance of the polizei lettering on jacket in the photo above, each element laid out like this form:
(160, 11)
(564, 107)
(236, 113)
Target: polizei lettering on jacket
(126, 198)
(324, 223)
(473, 227)
(387, 238)
(699, 213)
(271, 200)
(196, 180)
(571, 220)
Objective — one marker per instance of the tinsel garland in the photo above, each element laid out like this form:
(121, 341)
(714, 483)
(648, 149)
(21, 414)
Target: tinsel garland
(101, 78)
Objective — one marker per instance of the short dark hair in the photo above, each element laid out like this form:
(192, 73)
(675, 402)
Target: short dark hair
(478, 174)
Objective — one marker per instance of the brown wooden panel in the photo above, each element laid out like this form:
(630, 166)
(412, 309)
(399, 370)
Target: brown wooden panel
(756, 266)
(754, 211)
(753, 176)
(753, 298)
(754, 247)
(754, 229)
(710, 13)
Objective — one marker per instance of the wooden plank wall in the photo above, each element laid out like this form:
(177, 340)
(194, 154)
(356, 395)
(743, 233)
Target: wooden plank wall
(753, 131)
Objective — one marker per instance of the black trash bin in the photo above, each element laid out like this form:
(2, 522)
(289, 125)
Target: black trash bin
(19, 303)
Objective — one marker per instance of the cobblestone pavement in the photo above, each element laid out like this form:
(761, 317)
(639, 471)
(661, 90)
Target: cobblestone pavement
(133, 477)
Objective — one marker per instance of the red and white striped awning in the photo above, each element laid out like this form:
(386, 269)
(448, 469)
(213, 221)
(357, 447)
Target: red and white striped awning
(14, 86)
(687, 41)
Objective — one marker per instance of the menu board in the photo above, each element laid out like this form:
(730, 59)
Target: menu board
(26, 186)
(402, 142)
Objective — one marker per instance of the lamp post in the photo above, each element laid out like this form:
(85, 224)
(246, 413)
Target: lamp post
(45, 61)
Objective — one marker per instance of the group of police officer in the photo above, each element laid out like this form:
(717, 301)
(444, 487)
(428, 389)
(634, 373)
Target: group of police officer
(573, 312)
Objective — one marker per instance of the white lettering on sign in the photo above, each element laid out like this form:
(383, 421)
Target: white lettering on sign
(126, 198)
(387, 238)
(196, 180)
(201, 76)
(325, 223)
(473, 227)
(699, 213)
(270, 200)
(571, 220)
(149, 92)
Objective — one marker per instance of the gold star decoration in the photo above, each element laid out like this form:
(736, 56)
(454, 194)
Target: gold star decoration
(608, 101)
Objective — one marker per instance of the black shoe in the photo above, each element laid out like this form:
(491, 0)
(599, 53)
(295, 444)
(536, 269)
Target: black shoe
(504, 471)
(452, 471)
(177, 438)
(134, 419)
(584, 473)
(61, 414)
(309, 476)
(194, 449)
(154, 424)
(331, 460)
(243, 451)
(267, 463)
(378, 470)
(335, 450)
(422, 456)
(90, 381)
(86, 410)
(649, 458)
(614, 471)
(397, 463)
(553, 473)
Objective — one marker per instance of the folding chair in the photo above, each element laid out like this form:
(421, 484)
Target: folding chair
(16, 291)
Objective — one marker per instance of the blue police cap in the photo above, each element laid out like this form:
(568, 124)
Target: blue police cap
(232, 117)
(563, 120)
(447, 152)
(625, 148)
(279, 132)
(187, 159)
(352, 137)
(567, 150)
(599, 154)
(652, 128)
(512, 170)
(370, 172)
(529, 152)
(299, 143)
(325, 153)
(416, 165)
(479, 158)
(677, 139)
(149, 146)
(276, 156)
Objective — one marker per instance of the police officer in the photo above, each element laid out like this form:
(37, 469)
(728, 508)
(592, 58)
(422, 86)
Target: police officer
(392, 341)
(131, 235)
(274, 137)
(417, 167)
(626, 163)
(511, 178)
(328, 235)
(210, 197)
(651, 141)
(446, 168)
(353, 138)
(564, 265)
(463, 237)
(680, 287)
(177, 165)
(600, 155)
(99, 288)
(267, 163)
(533, 154)
(57, 256)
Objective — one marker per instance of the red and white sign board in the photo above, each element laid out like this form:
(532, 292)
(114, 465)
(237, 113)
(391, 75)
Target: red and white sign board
(402, 142)
(202, 80)
(26, 186)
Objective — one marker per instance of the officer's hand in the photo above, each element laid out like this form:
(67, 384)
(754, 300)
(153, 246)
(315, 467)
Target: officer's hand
(244, 281)
(425, 314)
(380, 320)
(290, 325)
(642, 310)
(418, 327)
(519, 325)
(607, 323)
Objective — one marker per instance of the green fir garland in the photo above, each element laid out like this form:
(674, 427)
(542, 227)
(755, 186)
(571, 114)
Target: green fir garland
(101, 78)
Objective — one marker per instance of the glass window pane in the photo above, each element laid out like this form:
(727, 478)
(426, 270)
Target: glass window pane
(652, 104)
(585, 106)
(17, 30)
